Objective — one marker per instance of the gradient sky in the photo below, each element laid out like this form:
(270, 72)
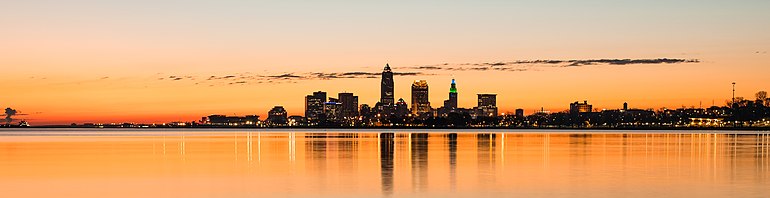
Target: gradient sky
(110, 61)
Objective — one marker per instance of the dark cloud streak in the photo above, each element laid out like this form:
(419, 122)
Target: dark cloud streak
(525, 65)
(247, 78)
(510, 66)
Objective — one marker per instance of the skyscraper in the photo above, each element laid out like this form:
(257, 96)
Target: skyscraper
(386, 87)
(314, 105)
(420, 103)
(451, 104)
(332, 110)
(487, 105)
(349, 105)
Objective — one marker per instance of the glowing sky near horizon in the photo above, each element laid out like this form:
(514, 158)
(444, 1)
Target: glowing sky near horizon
(111, 61)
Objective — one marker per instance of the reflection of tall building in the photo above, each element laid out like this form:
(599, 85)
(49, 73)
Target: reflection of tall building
(487, 105)
(387, 150)
(386, 86)
(420, 103)
(349, 105)
(577, 107)
(314, 105)
(486, 157)
(452, 141)
(419, 161)
(347, 145)
(316, 149)
(277, 116)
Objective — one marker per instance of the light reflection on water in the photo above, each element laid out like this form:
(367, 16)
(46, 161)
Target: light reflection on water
(319, 163)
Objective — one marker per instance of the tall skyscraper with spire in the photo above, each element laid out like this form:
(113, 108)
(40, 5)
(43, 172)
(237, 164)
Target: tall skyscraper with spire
(386, 87)
(450, 105)
(452, 102)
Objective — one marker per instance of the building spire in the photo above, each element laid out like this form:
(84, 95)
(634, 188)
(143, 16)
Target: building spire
(453, 88)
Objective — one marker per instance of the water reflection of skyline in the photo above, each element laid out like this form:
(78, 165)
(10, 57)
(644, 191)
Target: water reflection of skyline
(428, 163)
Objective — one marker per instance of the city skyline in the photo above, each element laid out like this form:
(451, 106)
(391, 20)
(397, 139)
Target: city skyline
(153, 62)
(387, 79)
(351, 98)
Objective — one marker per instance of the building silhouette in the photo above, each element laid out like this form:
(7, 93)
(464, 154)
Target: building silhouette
(386, 86)
(451, 103)
(223, 120)
(402, 109)
(349, 108)
(365, 111)
(314, 106)
(520, 113)
(487, 105)
(420, 103)
(296, 120)
(333, 110)
(577, 107)
(277, 116)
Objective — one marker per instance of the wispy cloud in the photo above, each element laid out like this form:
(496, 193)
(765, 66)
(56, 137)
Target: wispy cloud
(248, 78)
(573, 63)
(526, 65)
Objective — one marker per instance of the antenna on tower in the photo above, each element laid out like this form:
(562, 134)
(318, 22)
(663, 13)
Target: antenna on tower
(731, 105)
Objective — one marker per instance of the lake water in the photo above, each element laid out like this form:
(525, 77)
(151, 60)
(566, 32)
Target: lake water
(382, 163)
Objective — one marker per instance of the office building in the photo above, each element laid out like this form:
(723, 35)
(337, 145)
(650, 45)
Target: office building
(333, 109)
(487, 105)
(314, 106)
(420, 103)
(386, 86)
(577, 107)
(349, 105)
(451, 104)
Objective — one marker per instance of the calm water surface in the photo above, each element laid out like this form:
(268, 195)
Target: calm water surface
(383, 163)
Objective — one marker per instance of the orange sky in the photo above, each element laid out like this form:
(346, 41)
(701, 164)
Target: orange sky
(102, 61)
